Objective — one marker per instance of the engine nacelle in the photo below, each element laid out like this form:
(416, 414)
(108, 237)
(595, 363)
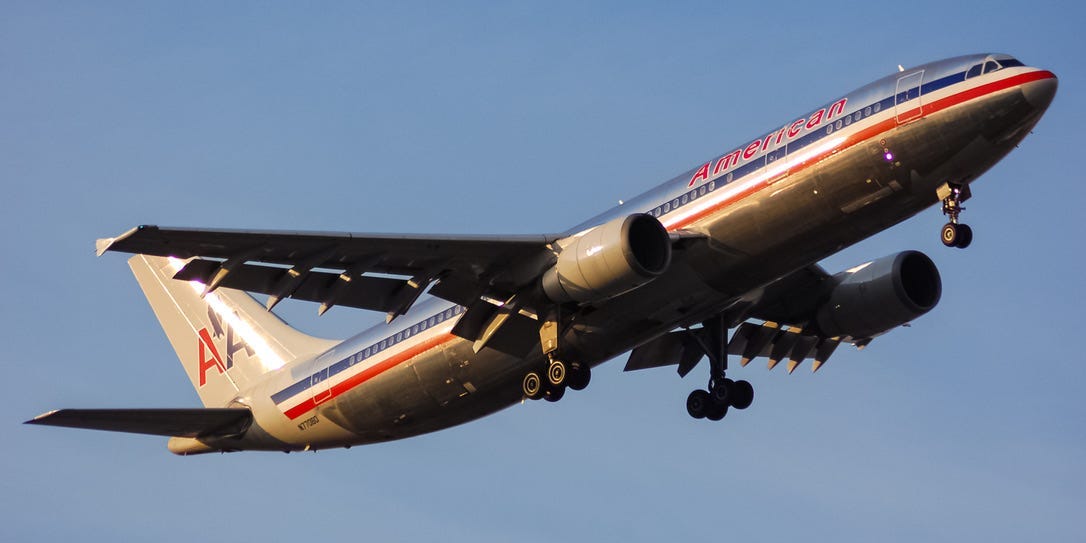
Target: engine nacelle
(875, 297)
(610, 259)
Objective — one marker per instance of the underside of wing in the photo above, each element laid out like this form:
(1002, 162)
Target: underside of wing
(347, 269)
(791, 299)
(199, 422)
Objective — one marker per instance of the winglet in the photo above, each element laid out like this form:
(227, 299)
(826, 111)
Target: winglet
(40, 418)
(104, 244)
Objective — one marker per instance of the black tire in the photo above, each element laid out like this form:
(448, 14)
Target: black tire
(950, 234)
(553, 394)
(579, 376)
(716, 412)
(557, 373)
(742, 395)
(721, 392)
(965, 236)
(697, 403)
(532, 386)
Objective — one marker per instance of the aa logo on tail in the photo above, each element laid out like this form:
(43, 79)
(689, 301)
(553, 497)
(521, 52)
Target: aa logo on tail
(209, 353)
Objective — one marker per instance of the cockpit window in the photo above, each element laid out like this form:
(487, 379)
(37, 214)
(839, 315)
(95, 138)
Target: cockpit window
(991, 66)
(974, 71)
(1011, 62)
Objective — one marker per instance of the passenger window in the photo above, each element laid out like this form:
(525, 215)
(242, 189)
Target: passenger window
(701, 190)
(973, 72)
(685, 198)
(712, 184)
(867, 111)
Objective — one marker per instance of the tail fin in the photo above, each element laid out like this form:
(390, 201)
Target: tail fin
(226, 340)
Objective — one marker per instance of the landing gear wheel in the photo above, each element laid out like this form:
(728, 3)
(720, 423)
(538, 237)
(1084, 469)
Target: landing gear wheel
(950, 234)
(698, 403)
(553, 394)
(716, 411)
(556, 373)
(957, 235)
(742, 395)
(721, 392)
(579, 376)
(965, 236)
(532, 386)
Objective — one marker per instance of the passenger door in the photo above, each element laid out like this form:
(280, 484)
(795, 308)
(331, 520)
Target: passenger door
(908, 105)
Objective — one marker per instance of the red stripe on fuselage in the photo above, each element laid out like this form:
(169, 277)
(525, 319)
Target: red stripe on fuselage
(874, 131)
(367, 374)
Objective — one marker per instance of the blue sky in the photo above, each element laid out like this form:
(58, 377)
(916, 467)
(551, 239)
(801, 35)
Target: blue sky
(520, 118)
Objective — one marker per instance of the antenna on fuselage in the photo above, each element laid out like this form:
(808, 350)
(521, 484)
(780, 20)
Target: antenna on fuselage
(900, 68)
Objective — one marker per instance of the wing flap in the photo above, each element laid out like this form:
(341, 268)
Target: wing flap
(362, 291)
(197, 422)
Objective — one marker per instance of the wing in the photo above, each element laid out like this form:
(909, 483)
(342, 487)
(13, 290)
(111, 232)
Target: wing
(162, 422)
(331, 268)
(790, 300)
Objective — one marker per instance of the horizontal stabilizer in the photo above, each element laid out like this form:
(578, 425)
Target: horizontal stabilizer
(196, 422)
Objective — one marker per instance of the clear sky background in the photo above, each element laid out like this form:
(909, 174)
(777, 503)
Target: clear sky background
(525, 118)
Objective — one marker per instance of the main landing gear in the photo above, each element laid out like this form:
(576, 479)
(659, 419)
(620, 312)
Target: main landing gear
(954, 233)
(551, 384)
(722, 393)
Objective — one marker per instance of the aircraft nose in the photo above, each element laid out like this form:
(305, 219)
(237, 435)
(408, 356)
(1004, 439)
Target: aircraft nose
(1040, 93)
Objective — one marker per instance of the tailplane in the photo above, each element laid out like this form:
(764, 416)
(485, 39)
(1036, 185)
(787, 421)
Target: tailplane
(225, 339)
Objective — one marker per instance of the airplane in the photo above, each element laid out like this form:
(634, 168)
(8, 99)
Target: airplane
(728, 247)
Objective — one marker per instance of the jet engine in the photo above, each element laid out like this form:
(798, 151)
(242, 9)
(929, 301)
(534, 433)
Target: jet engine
(610, 259)
(875, 297)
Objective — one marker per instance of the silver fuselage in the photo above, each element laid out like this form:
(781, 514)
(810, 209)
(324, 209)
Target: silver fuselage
(789, 198)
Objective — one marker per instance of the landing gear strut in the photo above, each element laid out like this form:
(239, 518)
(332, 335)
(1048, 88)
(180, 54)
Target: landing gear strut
(722, 393)
(954, 233)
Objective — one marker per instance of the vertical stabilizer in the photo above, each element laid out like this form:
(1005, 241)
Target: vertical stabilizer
(226, 340)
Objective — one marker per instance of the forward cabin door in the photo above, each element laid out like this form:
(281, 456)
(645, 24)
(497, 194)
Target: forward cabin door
(908, 104)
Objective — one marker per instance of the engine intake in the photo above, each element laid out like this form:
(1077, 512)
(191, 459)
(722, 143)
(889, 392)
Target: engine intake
(610, 259)
(875, 297)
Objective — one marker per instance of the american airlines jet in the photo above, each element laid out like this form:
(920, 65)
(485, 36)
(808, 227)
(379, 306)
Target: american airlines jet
(718, 262)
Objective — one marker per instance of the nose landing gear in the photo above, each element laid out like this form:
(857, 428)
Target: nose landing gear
(954, 233)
